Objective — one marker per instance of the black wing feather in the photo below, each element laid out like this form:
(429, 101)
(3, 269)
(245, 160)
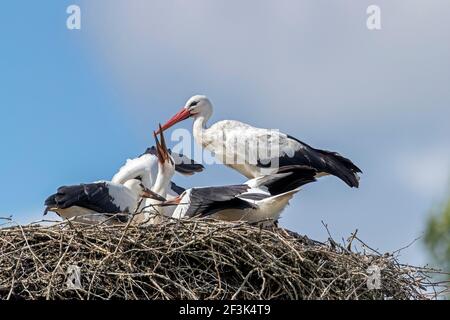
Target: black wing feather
(299, 176)
(176, 188)
(321, 161)
(183, 164)
(209, 200)
(151, 150)
(93, 196)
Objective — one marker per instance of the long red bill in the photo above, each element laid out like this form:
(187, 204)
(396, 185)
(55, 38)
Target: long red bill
(164, 146)
(183, 114)
(173, 202)
(147, 193)
(159, 151)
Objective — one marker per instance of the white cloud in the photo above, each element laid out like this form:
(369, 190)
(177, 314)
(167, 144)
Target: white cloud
(312, 58)
(425, 171)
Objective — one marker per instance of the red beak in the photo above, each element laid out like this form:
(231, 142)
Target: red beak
(183, 114)
(174, 202)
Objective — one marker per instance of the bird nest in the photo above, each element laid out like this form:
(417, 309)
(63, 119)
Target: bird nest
(195, 259)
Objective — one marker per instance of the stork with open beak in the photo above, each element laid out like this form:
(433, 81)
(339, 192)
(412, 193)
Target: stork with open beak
(260, 200)
(238, 145)
(145, 168)
(153, 212)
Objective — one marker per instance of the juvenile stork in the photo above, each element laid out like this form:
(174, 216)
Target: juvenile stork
(145, 168)
(153, 211)
(98, 202)
(259, 200)
(238, 145)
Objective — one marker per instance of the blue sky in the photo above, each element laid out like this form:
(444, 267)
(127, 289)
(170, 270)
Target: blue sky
(76, 104)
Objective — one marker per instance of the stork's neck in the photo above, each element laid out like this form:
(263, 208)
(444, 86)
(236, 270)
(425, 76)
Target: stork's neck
(147, 180)
(199, 128)
(162, 180)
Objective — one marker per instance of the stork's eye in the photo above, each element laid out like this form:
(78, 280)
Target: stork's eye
(193, 104)
(139, 178)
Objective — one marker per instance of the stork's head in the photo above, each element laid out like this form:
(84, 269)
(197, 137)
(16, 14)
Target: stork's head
(196, 106)
(166, 162)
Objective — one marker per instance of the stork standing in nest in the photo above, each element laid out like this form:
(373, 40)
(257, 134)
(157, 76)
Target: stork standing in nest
(247, 149)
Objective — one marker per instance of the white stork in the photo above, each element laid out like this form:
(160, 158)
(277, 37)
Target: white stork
(259, 200)
(153, 211)
(238, 145)
(145, 168)
(98, 202)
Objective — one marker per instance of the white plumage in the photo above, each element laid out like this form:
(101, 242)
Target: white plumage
(144, 167)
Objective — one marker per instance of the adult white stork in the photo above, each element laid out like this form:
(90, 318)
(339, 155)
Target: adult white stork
(259, 200)
(98, 202)
(247, 149)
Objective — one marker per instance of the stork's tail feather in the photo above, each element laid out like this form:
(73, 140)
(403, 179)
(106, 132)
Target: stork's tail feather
(291, 177)
(341, 167)
(326, 162)
(188, 168)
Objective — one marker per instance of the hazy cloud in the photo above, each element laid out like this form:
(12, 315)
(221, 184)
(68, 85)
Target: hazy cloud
(425, 171)
(314, 58)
